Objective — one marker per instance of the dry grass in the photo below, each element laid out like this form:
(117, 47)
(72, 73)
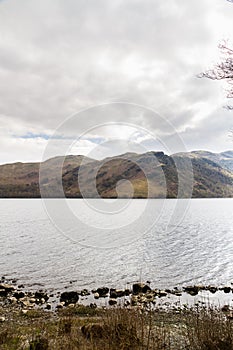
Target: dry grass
(117, 329)
(209, 329)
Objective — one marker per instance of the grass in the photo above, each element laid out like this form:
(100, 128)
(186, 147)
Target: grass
(86, 328)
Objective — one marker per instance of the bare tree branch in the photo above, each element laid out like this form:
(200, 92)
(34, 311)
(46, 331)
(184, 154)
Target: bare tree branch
(222, 70)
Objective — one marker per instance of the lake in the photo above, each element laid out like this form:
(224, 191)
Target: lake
(55, 244)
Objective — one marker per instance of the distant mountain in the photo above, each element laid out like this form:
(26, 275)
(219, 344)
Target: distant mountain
(152, 174)
(224, 159)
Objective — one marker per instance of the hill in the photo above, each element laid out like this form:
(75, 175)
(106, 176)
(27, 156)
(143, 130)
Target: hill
(152, 174)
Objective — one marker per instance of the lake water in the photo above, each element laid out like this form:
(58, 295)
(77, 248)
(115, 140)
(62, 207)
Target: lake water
(47, 244)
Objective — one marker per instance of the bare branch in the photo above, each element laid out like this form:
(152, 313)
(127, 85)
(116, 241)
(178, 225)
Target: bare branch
(222, 70)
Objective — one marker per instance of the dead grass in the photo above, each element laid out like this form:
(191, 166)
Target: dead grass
(84, 328)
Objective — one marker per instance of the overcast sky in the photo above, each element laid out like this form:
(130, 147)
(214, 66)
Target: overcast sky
(60, 57)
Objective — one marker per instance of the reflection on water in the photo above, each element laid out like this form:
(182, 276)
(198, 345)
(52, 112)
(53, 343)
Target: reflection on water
(196, 249)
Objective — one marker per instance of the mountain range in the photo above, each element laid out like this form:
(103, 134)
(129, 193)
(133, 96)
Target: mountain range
(197, 174)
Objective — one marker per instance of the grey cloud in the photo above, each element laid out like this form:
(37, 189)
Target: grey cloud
(57, 57)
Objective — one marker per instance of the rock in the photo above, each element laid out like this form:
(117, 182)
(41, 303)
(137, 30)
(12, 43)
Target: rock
(32, 300)
(3, 293)
(12, 300)
(2, 319)
(40, 301)
(19, 295)
(96, 295)
(24, 312)
(21, 286)
(192, 290)
(112, 302)
(84, 292)
(212, 289)
(41, 295)
(227, 289)
(60, 305)
(48, 306)
(162, 293)
(26, 302)
(150, 297)
(5, 289)
(114, 293)
(134, 300)
(140, 288)
(225, 308)
(168, 291)
(127, 303)
(102, 292)
(230, 315)
(69, 297)
(71, 305)
(127, 292)
(93, 305)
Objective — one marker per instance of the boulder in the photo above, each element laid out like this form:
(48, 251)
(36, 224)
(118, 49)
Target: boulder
(3, 293)
(19, 295)
(192, 290)
(177, 293)
(41, 295)
(112, 302)
(48, 306)
(140, 288)
(212, 289)
(5, 289)
(162, 293)
(226, 308)
(103, 292)
(60, 305)
(114, 293)
(227, 289)
(21, 286)
(69, 297)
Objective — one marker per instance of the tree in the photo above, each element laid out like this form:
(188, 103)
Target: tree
(224, 69)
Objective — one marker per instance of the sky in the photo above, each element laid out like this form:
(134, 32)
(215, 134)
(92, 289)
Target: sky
(106, 77)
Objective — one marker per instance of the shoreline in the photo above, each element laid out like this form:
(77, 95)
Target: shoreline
(138, 294)
(79, 327)
(136, 318)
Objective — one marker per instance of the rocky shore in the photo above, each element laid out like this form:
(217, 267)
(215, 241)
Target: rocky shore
(139, 317)
(139, 294)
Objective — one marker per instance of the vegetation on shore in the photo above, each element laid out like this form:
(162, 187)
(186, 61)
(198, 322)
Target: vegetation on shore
(82, 327)
(152, 175)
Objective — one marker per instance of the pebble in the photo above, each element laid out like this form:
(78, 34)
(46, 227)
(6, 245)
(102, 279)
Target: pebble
(96, 295)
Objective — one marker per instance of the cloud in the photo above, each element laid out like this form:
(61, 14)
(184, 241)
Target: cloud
(59, 57)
